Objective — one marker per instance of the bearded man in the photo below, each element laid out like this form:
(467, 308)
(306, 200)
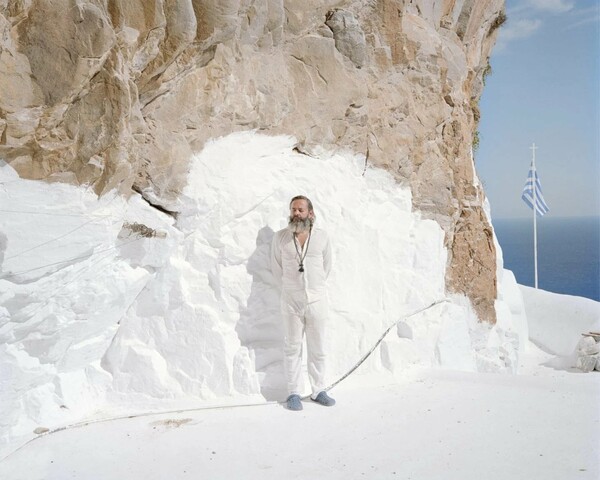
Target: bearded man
(301, 261)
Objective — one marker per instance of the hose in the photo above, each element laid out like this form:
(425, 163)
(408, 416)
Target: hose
(219, 407)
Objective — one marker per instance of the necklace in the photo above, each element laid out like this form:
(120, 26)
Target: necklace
(300, 256)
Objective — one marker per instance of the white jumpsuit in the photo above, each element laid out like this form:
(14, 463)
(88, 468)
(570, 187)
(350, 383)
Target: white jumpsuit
(304, 304)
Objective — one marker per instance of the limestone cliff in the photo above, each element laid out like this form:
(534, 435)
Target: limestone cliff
(121, 93)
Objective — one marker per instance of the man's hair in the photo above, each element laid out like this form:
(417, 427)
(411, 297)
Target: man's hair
(302, 197)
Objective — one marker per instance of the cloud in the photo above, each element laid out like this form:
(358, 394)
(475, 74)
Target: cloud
(593, 10)
(513, 30)
(526, 18)
(584, 16)
(520, 27)
(552, 6)
(541, 6)
(516, 10)
(584, 21)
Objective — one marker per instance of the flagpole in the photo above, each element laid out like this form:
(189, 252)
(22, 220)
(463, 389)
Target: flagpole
(532, 195)
(535, 262)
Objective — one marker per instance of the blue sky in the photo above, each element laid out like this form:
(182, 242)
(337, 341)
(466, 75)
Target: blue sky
(544, 88)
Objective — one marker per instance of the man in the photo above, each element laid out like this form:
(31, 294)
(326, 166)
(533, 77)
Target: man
(301, 260)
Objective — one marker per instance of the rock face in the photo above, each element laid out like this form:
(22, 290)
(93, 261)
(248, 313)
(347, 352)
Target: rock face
(121, 93)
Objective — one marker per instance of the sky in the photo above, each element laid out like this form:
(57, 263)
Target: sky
(544, 88)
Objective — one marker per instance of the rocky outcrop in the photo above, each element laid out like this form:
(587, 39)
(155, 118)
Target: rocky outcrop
(121, 93)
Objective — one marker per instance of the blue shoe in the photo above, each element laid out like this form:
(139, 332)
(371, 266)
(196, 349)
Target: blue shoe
(293, 402)
(323, 399)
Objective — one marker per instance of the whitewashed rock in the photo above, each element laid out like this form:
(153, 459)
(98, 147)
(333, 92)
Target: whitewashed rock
(587, 363)
(588, 346)
(547, 316)
(163, 313)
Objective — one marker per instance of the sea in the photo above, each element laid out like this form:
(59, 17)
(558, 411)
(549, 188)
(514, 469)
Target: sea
(568, 253)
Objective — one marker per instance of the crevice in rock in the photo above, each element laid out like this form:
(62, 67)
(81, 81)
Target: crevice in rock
(307, 66)
(300, 149)
(160, 208)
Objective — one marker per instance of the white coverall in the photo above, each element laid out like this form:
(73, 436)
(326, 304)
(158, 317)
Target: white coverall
(304, 305)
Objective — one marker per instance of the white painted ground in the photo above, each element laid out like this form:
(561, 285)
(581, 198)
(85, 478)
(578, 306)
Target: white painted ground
(436, 424)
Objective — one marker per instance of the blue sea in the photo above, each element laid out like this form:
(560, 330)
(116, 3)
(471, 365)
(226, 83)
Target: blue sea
(568, 253)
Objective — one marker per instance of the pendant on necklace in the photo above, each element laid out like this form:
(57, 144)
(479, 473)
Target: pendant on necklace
(301, 269)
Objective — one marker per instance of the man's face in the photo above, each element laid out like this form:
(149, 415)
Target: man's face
(299, 209)
(300, 216)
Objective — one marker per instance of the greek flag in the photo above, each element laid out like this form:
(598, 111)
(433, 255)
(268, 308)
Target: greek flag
(540, 204)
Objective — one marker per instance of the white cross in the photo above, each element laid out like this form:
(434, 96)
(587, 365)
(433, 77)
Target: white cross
(533, 149)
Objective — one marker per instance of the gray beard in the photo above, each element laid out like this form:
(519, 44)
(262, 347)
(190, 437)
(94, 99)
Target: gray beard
(297, 225)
